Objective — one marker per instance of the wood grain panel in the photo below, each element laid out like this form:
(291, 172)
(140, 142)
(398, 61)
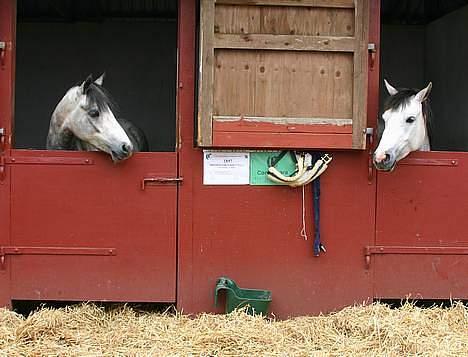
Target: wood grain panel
(283, 84)
(360, 75)
(205, 97)
(278, 20)
(267, 126)
(283, 140)
(281, 62)
(284, 42)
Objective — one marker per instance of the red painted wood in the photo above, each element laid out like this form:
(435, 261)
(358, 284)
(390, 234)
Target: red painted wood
(418, 206)
(7, 72)
(251, 234)
(94, 206)
(252, 126)
(282, 140)
(187, 154)
(420, 276)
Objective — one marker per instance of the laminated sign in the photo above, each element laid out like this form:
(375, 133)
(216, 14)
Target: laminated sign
(261, 161)
(225, 168)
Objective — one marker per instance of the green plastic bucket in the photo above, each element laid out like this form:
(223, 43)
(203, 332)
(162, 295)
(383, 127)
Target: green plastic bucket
(257, 301)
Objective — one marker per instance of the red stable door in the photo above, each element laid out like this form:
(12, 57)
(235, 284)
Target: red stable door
(74, 225)
(421, 246)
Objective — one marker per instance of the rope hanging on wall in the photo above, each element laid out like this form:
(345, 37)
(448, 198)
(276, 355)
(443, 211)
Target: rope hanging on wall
(309, 167)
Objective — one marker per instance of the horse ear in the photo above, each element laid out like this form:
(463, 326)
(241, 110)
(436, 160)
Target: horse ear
(390, 89)
(100, 80)
(85, 85)
(423, 94)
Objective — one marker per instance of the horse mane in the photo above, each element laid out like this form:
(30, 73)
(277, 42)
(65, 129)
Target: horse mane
(99, 96)
(402, 99)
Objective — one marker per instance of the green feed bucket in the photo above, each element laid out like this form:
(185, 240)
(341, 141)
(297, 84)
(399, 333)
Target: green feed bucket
(257, 301)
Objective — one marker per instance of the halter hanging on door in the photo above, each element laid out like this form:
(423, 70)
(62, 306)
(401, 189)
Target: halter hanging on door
(306, 172)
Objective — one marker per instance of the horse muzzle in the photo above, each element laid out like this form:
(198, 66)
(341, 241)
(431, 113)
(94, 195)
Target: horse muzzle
(122, 152)
(386, 164)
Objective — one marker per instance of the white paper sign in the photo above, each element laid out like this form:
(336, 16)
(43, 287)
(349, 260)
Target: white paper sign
(226, 168)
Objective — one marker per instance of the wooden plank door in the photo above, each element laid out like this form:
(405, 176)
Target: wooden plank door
(7, 33)
(79, 227)
(283, 73)
(87, 229)
(421, 236)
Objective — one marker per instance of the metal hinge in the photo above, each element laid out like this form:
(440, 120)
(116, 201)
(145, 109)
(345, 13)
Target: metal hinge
(2, 137)
(2, 52)
(2, 156)
(372, 48)
(370, 167)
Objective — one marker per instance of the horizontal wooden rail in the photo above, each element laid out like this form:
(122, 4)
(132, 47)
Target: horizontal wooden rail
(346, 4)
(440, 250)
(284, 42)
(284, 120)
(48, 160)
(20, 250)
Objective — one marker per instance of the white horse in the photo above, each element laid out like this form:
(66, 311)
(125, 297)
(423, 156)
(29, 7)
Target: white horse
(84, 120)
(407, 117)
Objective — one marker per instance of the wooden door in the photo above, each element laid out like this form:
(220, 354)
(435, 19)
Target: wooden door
(81, 227)
(7, 33)
(421, 236)
(283, 73)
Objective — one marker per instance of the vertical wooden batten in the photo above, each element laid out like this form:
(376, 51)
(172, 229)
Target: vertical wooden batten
(360, 74)
(206, 69)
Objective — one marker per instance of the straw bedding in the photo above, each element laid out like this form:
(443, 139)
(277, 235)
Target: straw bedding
(375, 330)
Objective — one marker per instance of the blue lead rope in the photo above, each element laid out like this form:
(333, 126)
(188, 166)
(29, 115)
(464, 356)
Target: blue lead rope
(316, 193)
(318, 246)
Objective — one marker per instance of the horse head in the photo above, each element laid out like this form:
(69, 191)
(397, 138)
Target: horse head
(406, 117)
(84, 120)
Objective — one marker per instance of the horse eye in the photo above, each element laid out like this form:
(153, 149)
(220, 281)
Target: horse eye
(410, 119)
(93, 113)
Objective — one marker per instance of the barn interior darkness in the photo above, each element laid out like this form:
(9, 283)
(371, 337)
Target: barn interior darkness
(59, 43)
(423, 41)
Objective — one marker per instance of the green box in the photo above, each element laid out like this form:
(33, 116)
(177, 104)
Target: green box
(261, 161)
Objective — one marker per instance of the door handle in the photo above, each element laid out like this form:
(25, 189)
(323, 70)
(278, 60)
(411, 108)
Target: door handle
(160, 180)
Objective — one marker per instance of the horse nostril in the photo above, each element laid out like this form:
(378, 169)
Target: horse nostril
(387, 158)
(125, 149)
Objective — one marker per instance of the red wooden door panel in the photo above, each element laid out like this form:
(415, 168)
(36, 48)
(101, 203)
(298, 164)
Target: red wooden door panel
(422, 236)
(74, 225)
(88, 228)
(7, 33)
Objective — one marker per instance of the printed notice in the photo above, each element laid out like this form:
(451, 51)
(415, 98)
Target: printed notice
(226, 168)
